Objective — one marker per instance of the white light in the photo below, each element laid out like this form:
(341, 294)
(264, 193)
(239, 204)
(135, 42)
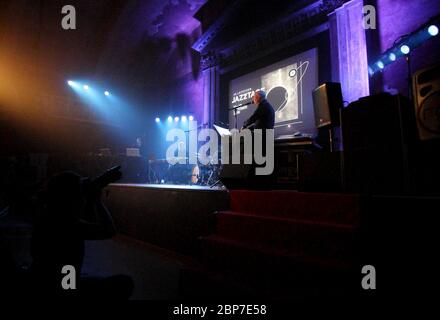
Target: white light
(176, 119)
(70, 83)
(107, 93)
(433, 30)
(170, 119)
(86, 87)
(183, 118)
(157, 120)
(191, 118)
(405, 49)
(392, 56)
(380, 64)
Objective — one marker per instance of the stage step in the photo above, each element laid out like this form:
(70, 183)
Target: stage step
(296, 236)
(323, 207)
(275, 270)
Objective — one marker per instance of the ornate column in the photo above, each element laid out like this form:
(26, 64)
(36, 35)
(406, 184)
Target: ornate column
(210, 88)
(349, 50)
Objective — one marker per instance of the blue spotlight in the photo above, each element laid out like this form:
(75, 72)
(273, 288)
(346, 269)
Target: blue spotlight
(433, 30)
(405, 49)
(107, 93)
(176, 119)
(170, 119)
(380, 64)
(392, 57)
(370, 71)
(157, 120)
(86, 87)
(70, 83)
(191, 118)
(183, 118)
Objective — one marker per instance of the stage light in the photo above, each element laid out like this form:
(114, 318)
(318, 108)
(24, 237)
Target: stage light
(176, 119)
(170, 119)
(157, 120)
(405, 49)
(86, 87)
(107, 93)
(433, 30)
(70, 83)
(392, 56)
(380, 64)
(183, 118)
(191, 118)
(370, 71)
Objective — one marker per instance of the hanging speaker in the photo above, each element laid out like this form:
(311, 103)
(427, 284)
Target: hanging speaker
(426, 88)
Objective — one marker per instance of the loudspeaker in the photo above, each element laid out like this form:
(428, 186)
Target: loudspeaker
(327, 101)
(242, 176)
(320, 172)
(379, 133)
(236, 176)
(426, 86)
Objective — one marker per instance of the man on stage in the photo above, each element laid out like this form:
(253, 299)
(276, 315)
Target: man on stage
(264, 116)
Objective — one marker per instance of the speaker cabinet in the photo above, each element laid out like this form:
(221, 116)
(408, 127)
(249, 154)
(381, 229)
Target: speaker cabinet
(378, 137)
(242, 176)
(426, 88)
(327, 101)
(320, 172)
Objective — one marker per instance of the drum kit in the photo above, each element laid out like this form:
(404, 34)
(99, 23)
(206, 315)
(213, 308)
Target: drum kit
(201, 174)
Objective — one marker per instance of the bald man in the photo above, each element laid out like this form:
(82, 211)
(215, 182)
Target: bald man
(264, 116)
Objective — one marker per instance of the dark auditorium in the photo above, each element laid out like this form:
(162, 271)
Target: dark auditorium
(219, 158)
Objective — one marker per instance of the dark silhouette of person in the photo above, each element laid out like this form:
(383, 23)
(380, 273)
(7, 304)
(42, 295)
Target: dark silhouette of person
(8, 271)
(60, 230)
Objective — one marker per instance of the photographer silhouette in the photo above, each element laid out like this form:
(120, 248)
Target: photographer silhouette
(71, 212)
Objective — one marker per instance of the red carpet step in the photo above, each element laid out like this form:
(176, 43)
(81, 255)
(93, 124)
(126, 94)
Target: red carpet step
(286, 242)
(276, 271)
(297, 236)
(323, 207)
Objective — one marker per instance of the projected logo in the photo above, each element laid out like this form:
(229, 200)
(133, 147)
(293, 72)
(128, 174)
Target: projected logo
(284, 88)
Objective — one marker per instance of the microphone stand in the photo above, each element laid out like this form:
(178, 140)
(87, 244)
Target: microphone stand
(235, 110)
(187, 136)
(235, 113)
(198, 127)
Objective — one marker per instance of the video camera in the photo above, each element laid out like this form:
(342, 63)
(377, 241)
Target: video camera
(96, 185)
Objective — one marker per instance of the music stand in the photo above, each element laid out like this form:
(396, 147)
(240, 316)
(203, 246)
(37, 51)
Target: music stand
(222, 131)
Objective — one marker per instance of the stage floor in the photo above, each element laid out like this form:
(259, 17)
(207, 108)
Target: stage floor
(170, 186)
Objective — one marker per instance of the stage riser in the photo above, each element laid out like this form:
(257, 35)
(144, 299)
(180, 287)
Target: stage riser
(331, 208)
(275, 273)
(169, 218)
(298, 237)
